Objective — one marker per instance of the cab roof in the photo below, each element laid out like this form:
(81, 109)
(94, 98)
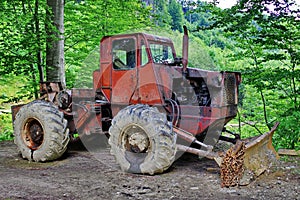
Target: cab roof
(148, 37)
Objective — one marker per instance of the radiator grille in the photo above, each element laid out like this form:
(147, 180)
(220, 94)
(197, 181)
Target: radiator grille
(229, 94)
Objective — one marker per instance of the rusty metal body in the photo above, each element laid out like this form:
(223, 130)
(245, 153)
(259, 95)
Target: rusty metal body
(170, 86)
(162, 85)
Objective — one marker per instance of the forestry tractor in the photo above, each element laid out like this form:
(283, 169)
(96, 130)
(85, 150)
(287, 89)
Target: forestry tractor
(150, 105)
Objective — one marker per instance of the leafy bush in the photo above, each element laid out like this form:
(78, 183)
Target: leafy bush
(6, 130)
(288, 133)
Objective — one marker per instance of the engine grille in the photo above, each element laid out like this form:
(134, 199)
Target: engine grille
(229, 90)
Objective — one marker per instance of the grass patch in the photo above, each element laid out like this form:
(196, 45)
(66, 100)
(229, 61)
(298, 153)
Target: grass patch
(10, 88)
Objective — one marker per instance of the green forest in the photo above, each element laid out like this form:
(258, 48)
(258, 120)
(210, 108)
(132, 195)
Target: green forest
(259, 38)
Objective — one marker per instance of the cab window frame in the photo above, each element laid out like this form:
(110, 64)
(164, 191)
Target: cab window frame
(124, 56)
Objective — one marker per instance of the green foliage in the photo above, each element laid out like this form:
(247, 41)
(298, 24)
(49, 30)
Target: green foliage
(85, 72)
(161, 15)
(21, 38)
(10, 94)
(288, 134)
(6, 95)
(6, 130)
(175, 11)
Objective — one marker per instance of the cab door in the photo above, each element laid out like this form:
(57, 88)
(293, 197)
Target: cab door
(124, 69)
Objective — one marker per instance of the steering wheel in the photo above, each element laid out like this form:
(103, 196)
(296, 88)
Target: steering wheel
(158, 58)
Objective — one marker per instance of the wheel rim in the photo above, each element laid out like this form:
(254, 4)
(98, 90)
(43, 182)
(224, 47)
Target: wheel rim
(33, 134)
(134, 139)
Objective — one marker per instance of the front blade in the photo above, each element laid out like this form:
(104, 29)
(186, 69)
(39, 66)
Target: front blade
(247, 158)
(260, 153)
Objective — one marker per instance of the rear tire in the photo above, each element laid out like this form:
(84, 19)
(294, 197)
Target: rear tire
(142, 140)
(40, 131)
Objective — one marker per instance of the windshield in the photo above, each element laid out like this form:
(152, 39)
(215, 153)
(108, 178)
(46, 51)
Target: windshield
(161, 53)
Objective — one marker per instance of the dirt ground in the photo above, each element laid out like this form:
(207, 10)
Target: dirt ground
(80, 175)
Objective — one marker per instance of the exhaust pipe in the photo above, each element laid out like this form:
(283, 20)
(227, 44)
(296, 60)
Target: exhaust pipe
(185, 48)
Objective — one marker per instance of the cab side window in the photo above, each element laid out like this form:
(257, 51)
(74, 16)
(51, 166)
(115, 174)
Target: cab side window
(123, 54)
(144, 55)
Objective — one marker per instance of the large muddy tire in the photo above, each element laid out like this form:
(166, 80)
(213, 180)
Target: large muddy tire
(40, 131)
(142, 140)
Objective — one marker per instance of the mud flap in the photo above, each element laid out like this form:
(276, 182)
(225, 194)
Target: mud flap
(248, 159)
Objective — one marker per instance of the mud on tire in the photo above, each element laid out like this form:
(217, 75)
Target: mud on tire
(142, 140)
(40, 131)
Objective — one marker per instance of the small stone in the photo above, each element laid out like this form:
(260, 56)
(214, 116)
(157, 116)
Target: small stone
(231, 191)
(247, 178)
(278, 182)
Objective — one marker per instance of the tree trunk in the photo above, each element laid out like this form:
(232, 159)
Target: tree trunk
(55, 69)
(38, 37)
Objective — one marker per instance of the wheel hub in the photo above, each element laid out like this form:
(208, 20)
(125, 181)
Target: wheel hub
(33, 134)
(135, 139)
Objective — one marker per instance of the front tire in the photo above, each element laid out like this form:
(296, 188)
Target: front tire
(40, 131)
(142, 140)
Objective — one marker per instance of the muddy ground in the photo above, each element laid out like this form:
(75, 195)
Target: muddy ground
(79, 175)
